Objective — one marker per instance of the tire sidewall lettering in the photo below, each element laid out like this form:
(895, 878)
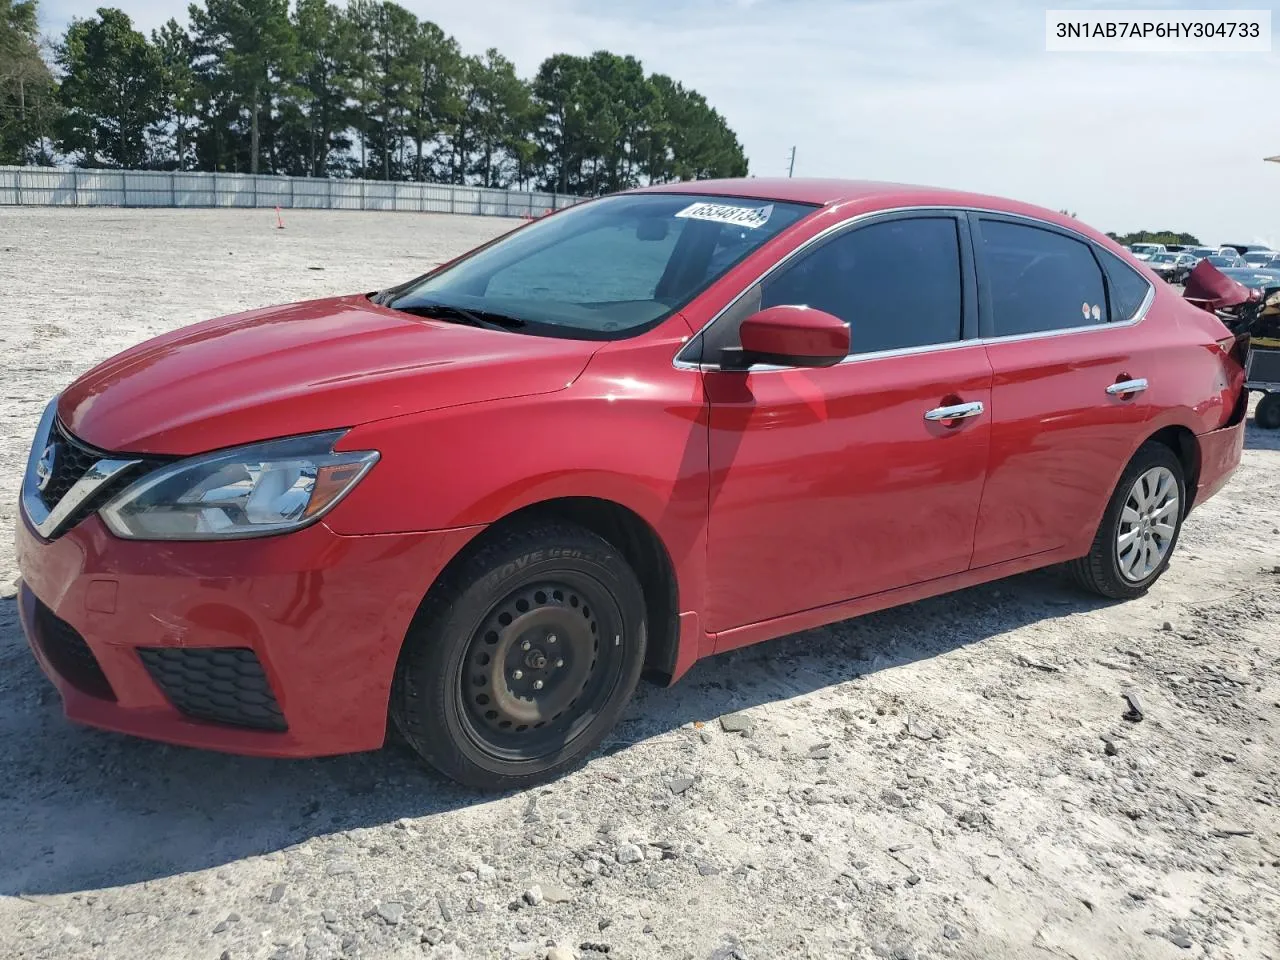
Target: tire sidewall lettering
(529, 561)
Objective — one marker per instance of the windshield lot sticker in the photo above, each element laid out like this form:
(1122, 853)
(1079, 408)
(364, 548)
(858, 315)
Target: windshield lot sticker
(727, 213)
(1095, 313)
(1084, 308)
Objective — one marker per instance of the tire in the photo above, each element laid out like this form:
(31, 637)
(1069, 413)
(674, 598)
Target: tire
(1266, 414)
(1114, 572)
(551, 605)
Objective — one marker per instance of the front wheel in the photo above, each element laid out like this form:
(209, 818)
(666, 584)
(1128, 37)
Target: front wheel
(1267, 414)
(1139, 528)
(522, 658)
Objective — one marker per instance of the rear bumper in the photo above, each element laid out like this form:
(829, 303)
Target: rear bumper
(308, 627)
(1220, 452)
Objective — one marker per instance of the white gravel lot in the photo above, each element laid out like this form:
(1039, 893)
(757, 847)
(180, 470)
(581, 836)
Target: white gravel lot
(929, 781)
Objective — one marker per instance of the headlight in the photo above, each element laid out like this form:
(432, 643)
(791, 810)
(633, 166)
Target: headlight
(249, 491)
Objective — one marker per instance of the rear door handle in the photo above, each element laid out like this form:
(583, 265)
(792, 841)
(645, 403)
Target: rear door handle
(1126, 387)
(959, 411)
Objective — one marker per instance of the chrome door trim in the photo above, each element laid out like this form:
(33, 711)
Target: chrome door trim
(957, 411)
(1127, 387)
(1137, 318)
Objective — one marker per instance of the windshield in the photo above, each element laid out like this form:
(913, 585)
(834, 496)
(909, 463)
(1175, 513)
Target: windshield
(1222, 261)
(605, 269)
(1258, 257)
(1164, 258)
(1143, 248)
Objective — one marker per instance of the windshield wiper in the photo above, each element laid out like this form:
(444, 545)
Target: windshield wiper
(485, 319)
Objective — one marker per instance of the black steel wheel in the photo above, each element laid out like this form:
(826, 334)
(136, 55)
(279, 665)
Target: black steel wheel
(541, 666)
(522, 657)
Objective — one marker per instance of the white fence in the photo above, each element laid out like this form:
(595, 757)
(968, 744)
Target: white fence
(49, 186)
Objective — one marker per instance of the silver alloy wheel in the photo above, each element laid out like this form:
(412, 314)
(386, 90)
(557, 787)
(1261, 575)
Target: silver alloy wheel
(1148, 523)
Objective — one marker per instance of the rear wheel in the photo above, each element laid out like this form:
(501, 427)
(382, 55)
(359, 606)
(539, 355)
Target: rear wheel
(1139, 528)
(1267, 414)
(522, 659)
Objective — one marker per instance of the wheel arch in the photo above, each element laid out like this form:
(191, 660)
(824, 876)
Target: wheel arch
(1180, 439)
(638, 542)
(1170, 433)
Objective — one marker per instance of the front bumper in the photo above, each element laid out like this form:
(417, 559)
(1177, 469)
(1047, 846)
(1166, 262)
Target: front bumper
(311, 621)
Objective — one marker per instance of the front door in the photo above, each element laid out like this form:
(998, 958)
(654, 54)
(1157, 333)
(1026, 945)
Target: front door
(829, 484)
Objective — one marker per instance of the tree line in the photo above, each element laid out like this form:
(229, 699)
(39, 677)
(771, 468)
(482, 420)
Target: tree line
(313, 88)
(1156, 236)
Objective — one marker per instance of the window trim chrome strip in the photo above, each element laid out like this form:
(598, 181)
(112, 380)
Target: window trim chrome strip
(1137, 317)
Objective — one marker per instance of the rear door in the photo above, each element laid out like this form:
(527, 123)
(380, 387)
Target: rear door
(1070, 374)
(833, 483)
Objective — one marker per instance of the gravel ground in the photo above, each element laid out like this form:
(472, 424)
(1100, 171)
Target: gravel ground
(953, 778)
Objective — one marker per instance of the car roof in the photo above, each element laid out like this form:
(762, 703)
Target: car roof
(825, 192)
(857, 196)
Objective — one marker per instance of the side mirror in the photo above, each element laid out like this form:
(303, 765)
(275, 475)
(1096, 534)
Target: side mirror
(789, 336)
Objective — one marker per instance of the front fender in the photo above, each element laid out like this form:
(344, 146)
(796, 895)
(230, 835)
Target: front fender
(631, 430)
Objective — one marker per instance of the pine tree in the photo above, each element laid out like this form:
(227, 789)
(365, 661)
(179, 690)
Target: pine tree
(112, 91)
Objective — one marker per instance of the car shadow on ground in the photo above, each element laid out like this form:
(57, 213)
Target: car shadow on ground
(1255, 438)
(84, 809)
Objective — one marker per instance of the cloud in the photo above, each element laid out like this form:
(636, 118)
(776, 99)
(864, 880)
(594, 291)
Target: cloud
(928, 91)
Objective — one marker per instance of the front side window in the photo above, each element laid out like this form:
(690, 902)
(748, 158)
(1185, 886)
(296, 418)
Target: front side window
(603, 270)
(1040, 280)
(896, 283)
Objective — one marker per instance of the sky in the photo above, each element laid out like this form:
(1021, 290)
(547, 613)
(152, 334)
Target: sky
(955, 94)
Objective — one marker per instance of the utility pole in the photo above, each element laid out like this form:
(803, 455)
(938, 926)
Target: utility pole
(791, 168)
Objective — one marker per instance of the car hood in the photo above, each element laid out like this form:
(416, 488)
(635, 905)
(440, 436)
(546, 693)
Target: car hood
(302, 368)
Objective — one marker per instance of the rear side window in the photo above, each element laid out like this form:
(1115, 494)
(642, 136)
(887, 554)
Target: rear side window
(1128, 287)
(896, 283)
(1039, 280)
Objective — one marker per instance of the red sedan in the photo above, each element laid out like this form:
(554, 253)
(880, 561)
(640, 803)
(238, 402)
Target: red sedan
(652, 427)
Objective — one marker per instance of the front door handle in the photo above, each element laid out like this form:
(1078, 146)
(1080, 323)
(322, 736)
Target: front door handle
(959, 411)
(1125, 387)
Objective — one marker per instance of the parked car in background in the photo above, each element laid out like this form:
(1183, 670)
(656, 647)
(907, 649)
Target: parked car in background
(1257, 277)
(1258, 258)
(1199, 253)
(1243, 248)
(277, 533)
(1223, 260)
(1145, 251)
(1172, 267)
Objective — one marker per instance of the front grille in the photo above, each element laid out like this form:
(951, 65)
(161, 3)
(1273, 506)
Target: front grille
(69, 655)
(72, 459)
(219, 684)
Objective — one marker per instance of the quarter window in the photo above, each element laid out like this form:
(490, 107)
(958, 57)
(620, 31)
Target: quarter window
(1039, 280)
(896, 283)
(1128, 289)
